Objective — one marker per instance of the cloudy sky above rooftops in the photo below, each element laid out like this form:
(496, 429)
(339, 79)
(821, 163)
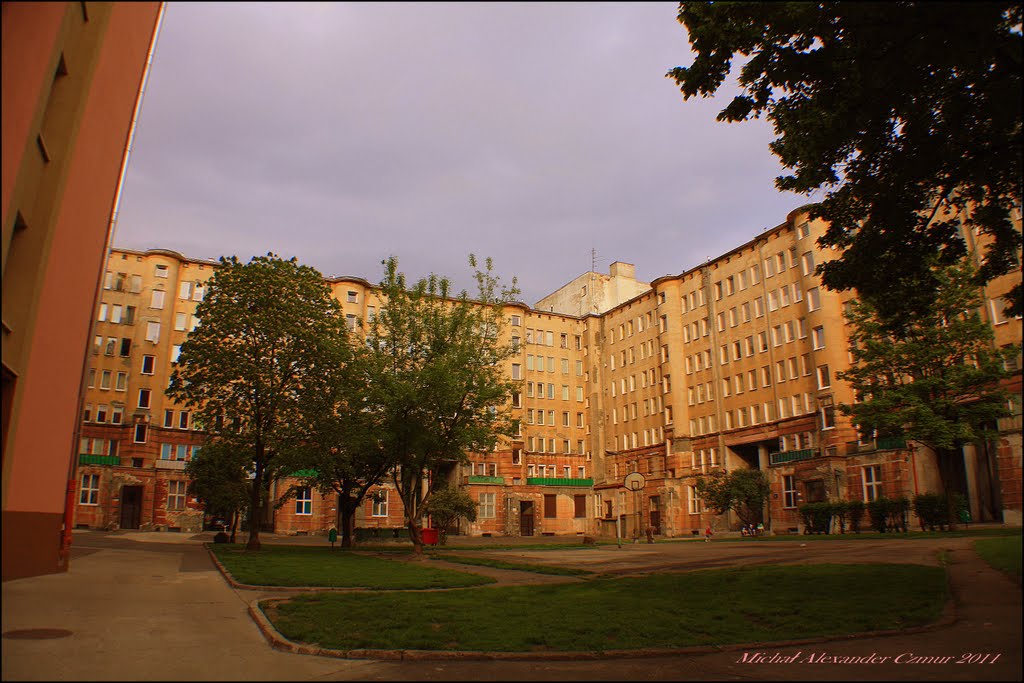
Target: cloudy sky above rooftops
(543, 135)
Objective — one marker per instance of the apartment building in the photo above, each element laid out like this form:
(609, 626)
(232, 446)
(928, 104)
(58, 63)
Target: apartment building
(73, 73)
(627, 395)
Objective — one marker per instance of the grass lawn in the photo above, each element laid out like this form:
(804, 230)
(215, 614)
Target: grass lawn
(317, 566)
(1003, 554)
(755, 604)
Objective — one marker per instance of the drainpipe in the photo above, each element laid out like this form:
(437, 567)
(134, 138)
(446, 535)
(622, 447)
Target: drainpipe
(63, 555)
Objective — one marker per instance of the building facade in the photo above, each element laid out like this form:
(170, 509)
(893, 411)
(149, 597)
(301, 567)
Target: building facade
(729, 365)
(73, 73)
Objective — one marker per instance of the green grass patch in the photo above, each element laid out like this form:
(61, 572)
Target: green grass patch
(317, 566)
(744, 605)
(875, 536)
(518, 566)
(1003, 554)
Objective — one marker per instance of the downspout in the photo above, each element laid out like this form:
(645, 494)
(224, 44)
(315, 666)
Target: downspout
(63, 555)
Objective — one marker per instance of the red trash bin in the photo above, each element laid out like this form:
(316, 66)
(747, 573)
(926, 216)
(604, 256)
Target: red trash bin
(429, 536)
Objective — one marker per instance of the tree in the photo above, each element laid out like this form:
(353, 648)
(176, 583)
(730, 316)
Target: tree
(937, 380)
(264, 326)
(447, 505)
(439, 388)
(742, 491)
(219, 480)
(342, 451)
(907, 113)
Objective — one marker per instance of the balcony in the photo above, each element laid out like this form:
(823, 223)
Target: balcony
(89, 459)
(784, 457)
(481, 479)
(169, 464)
(558, 481)
(886, 443)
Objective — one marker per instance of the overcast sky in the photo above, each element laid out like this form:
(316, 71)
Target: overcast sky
(534, 133)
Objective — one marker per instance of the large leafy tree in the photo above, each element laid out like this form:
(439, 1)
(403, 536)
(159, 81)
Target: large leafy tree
(936, 380)
(343, 453)
(907, 115)
(439, 389)
(264, 336)
(743, 491)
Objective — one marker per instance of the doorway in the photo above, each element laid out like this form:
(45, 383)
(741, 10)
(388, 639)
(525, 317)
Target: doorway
(131, 507)
(655, 502)
(526, 518)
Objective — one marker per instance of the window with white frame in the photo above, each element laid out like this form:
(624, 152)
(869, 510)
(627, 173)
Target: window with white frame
(157, 299)
(185, 290)
(872, 482)
(139, 434)
(303, 500)
(161, 270)
(379, 500)
(789, 491)
(147, 364)
(176, 494)
(824, 377)
(818, 337)
(487, 507)
(90, 490)
(153, 332)
(813, 299)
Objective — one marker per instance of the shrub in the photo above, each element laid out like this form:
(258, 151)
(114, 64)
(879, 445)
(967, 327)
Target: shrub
(817, 517)
(897, 513)
(855, 512)
(840, 511)
(878, 512)
(932, 510)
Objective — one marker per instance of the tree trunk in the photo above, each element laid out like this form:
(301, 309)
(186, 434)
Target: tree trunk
(348, 516)
(946, 472)
(234, 525)
(415, 536)
(255, 498)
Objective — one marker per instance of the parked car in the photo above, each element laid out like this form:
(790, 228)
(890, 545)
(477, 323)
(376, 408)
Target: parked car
(217, 524)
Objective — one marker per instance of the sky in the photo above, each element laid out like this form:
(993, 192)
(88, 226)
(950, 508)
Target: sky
(543, 135)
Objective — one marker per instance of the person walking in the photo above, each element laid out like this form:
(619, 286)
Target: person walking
(707, 534)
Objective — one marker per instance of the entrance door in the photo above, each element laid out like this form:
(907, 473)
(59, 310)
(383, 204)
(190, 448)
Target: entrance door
(526, 518)
(131, 506)
(656, 514)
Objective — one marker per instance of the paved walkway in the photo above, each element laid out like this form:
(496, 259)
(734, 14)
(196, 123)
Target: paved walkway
(152, 606)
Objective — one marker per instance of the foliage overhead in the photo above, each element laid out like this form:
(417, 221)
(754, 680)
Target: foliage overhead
(906, 114)
(268, 330)
(742, 491)
(440, 389)
(937, 379)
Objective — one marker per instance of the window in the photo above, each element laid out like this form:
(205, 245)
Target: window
(183, 419)
(789, 491)
(828, 412)
(352, 297)
(804, 229)
(147, 364)
(198, 292)
(116, 314)
(579, 506)
(180, 321)
(818, 337)
(126, 347)
(139, 435)
(486, 506)
(144, 398)
(157, 300)
(517, 371)
(185, 291)
(516, 320)
(153, 332)
(111, 344)
(135, 284)
(824, 377)
(161, 270)
(105, 379)
(303, 500)
(872, 482)
(808, 263)
(813, 299)
(90, 490)
(176, 495)
(168, 418)
(550, 505)
(116, 415)
(175, 353)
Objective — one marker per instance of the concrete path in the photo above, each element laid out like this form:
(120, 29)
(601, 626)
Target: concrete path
(151, 606)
